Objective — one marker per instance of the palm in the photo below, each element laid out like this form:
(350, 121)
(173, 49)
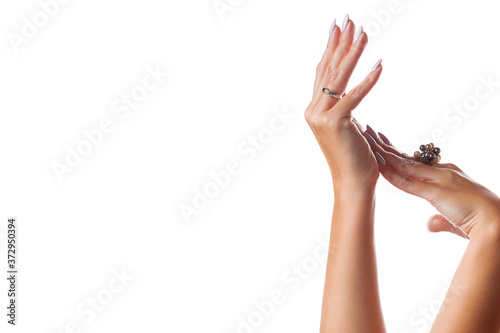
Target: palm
(346, 150)
(358, 153)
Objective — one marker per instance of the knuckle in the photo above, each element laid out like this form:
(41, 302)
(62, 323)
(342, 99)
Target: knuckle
(343, 45)
(310, 118)
(334, 74)
(340, 72)
(308, 113)
(317, 120)
(355, 51)
(450, 175)
(325, 121)
(355, 93)
(329, 69)
(405, 155)
(407, 181)
(406, 165)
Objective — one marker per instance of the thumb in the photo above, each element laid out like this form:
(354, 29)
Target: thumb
(438, 223)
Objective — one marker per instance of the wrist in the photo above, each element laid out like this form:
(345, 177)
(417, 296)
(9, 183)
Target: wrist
(354, 190)
(354, 207)
(354, 195)
(488, 225)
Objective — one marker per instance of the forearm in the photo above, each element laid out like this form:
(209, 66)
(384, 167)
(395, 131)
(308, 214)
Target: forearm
(351, 299)
(472, 303)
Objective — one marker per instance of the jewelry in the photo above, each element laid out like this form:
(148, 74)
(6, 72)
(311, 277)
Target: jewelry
(331, 93)
(428, 154)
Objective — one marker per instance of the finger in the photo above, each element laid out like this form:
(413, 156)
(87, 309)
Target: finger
(349, 62)
(405, 183)
(409, 167)
(343, 71)
(345, 44)
(385, 143)
(333, 41)
(438, 223)
(358, 125)
(370, 139)
(382, 141)
(350, 101)
(388, 146)
(331, 78)
(447, 166)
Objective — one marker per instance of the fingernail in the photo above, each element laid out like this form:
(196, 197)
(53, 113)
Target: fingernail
(384, 138)
(333, 26)
(377, 64)
(371, 132)
(380, 159)
(370, 139)
(358, 33)
(346, 21)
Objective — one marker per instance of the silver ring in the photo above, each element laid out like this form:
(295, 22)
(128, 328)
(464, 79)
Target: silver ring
(331, 93)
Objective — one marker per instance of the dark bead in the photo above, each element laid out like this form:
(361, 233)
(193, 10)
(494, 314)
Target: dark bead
(437, 151)
(422, 147)
(432, 156)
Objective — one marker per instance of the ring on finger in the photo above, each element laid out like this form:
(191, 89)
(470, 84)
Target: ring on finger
(331, 93)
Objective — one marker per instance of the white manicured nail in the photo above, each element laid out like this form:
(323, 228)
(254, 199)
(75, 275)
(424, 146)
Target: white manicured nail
(380, 159)
(371, 132)
(346, 21)
(377, 64)
(370, 139)
(358, 33)
(333, 26)
(384, 138)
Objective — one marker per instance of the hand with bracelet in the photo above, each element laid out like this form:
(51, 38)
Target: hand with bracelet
(355, 156)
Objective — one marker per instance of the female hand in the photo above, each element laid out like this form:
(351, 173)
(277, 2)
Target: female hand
(337, 132)
(467, 207)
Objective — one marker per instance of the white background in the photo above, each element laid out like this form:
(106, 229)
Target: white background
(119, 209)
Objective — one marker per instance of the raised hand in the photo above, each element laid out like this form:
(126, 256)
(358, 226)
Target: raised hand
(339, 135)
(351, 301)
